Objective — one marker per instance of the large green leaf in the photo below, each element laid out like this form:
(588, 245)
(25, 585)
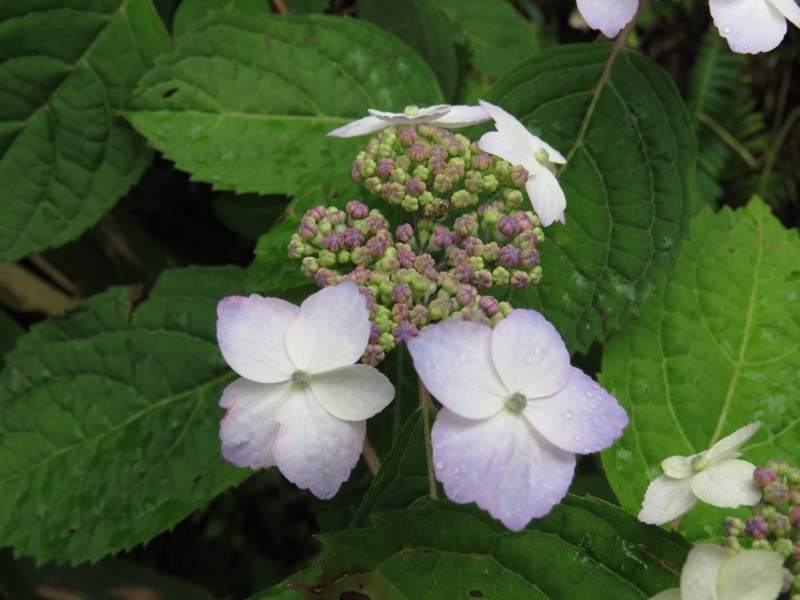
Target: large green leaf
(109, 420)
(628, 180)
(245, 100)
(66, 66)
(584, 549)
(713, 351)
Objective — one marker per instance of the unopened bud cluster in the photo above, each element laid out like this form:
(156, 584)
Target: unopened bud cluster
(775, 524)
(465, 233)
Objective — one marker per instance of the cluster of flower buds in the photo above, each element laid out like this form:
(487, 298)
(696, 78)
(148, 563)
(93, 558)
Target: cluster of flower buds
(775, 524)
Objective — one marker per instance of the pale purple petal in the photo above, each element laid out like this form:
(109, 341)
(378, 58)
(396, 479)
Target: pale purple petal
(727, 446)
(789, 9)
(454, 361)
(755, 574)
(609, 16)
(313, 449)
(249, 427)
(750, 26)
(667, 499)
(251, 333)
(331, 330)
(582, 417)
(727, 484)
(701, 571)
(529, 354)
(547, 197)
(352, 393)
(462, 116)
(501, 464)
(678, 467)
(360, 127)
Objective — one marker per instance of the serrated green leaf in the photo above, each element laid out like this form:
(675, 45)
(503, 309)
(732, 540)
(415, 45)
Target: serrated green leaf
(422, 25)
(716, 349)
(196, 11)
(65, 157)
(109, 420)
(584, 549)
(244, 101)
(499, 37)
(628, 179)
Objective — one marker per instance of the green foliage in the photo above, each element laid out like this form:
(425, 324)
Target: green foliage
(711, 352)
(628, 179)
(109, 420)
(244, 101)
(191, 12)
(65, 157)
(585, 549)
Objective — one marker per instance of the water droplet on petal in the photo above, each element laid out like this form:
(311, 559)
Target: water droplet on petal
(538, 350)
(529, 359)
(440, 465)
(576, 438)
(596, 385)
(456, 471)
(592, 405)
(589, 395)
(726, 29)
(567, 415)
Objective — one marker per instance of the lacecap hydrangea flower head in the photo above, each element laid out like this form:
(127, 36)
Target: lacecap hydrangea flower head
(301, 403)
(515, 413)
(716, 476)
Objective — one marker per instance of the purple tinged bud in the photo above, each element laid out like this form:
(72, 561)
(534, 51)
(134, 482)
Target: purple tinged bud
(472, 246)
(337, 217)
(404, 331)
(384, 168)
(374, 333)
(465, 295)
(508, 226)
(357, 210)
(779, 524)
(776, 493)
(418, 151)
(373, 355)
(442, 237)
(463, 273)
(794, 516)
(375, 223)
(400, 313)
(482, 279)
(491, 252)
(437, 165)
(393, 193)
(418, 315)
(377, 245)
(520, 280)
(355, 171)
(489, 306)
(296, 248)
(359, 275)
(405, 256)
(442, 183)
(732, 526)
(374, 185)
(794, 497)
(324, 277)
(530, 258)
(519, 176)
(404, 232)
(307, 229)
(407, 136)
(401, 293)
(457, 256)
(755, 527)
(415, 186)
(527, 239)
(481, 161)
(317, 213)
(473, 181)
(334, 241)
(424, 262)
(361, 256)
(352, 237)
(764, 475)
(779, 466)
(523, 220)
(465, 225)
(510, 255)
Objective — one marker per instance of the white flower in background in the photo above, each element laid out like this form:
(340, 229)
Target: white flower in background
(715, 476)
(301, 403)
(515, 413)
(514, 143)
(753, 26)
(714, 573)
(609, 16)
(440, 115)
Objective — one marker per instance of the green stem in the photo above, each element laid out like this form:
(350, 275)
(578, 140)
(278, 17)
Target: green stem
(726, 137)
(425, 406)
(769, 161)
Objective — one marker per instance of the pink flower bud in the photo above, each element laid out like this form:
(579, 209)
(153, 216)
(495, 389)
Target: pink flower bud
(510, 255)
(466, 295)
(415, 186)
(404, 332)
(385, 167)
(317, 213)
(401, 293)
(489, 305)
(442, 237)
(307, 228)
(352, 237)
(764, 475)
(418, 151)
(324, 277)
(407, 136)
(755, 527)
(333, 241)
(355, 171)
(520, 280)
(508, 226)
(481, 161)
(357, 210)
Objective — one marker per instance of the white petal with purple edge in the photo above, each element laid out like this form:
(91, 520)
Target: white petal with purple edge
(352, 393)
(331, 330)
(313, 449)
(359, 127)
(666, 499)
(751, 575)
(547, 197)
(750, 26)
(701, 571)
(251, 334)
(727, 446)
(609, 16)
(454, 361)
(249, 427)
(581, 417)
(727, 484)
(529, 354)
(501, 464)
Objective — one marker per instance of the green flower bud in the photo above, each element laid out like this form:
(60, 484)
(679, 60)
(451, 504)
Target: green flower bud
(476, 262)
(491, 252)
(410, 203)
(309, 267)
(439, 309)
(343, 257)
(460, 199)
(327, 258)
(501, 276)
(387, 341)
(490, 183)
(324, 227)
(491, 217)
(367, 168)
(422, 172)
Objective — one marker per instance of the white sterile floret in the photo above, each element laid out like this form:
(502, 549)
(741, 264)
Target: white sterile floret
(440, 115)
(714, 573)
(715, 476)
(514, 143)
(753, 26)
(301, 403)
(609, 16)
(515, 413)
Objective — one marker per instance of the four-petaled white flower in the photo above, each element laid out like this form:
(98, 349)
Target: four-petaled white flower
(440, 115)
(515, 413)
(301, 403)
(609, 16)
(753, 26)
(714, 573)
(715, 476)
(514, 143)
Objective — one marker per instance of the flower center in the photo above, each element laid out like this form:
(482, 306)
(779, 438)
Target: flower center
(699, 462)
(300, 378)
(516, 402)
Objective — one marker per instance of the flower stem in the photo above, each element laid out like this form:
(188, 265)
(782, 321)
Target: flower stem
(425, 406)
(371, 457)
